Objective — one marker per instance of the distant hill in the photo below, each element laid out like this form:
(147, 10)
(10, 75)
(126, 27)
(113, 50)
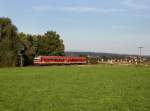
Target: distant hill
(93, 54)
(98, 54)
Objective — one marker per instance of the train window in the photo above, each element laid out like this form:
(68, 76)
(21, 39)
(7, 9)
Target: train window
(50, 59)
(54, 59)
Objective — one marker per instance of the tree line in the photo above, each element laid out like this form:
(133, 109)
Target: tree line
(19, 49)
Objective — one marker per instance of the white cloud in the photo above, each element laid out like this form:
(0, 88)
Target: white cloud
(89, 10)
(137, 4)
(75, 9)
(127, 6)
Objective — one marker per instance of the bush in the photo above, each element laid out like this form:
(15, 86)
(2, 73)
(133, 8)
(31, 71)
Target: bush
(92, 60)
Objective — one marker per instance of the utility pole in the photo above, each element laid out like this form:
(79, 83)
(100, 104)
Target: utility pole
(140, 53)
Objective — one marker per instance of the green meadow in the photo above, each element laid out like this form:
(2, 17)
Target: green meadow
(75, 88)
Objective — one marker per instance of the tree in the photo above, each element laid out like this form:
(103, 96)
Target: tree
(29, 51)
(37, 45)
(93, 60)
(8, 43)
(20, 48)
(50, 44)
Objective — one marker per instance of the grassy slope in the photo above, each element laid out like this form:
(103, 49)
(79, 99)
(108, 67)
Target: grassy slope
(75, 88)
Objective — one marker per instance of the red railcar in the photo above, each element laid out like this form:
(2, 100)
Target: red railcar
(47, 60)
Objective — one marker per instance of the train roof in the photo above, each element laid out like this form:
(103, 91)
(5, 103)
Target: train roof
(58, 57)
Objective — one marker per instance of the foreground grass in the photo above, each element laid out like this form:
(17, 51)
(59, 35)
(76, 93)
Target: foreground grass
(75, 88)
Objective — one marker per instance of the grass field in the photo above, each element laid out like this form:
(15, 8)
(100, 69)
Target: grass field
(75, 88)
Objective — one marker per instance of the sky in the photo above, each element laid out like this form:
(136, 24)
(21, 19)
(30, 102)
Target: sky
(111, 26)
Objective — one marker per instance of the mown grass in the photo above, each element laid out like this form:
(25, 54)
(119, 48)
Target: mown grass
(75, 88)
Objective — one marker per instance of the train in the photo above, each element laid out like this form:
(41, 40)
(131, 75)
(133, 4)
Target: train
(51, 60)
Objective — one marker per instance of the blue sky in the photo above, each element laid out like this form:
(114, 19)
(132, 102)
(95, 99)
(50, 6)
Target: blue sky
(115, 26)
